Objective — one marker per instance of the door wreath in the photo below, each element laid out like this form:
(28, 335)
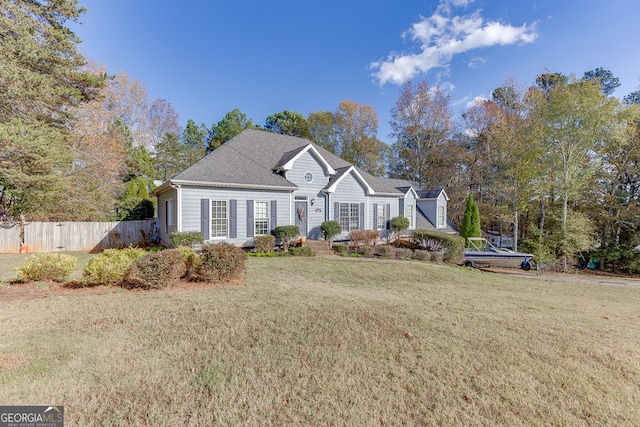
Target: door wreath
(300, 213)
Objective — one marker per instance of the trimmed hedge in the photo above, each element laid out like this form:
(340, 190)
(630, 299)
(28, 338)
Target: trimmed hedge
(157, 270)
(186, 238)
(452, 247)
(221, 261)
(264, 244)
(302, 251)
(330, 229)
(111, 266)
(47, 266)
(286, 233)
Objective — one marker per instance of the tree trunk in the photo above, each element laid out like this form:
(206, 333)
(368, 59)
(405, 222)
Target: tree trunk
(541, 223)
(565, 201)
(515, 227)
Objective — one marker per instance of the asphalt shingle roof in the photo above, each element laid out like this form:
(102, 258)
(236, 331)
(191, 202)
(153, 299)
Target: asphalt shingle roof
(252, 157)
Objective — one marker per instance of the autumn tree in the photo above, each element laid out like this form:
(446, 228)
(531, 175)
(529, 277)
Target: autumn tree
(162, 118)
(356, 135)
(42, 78)
(234, 122)
(288, 123)
(322, 128)
(421, 124)
(576, 116)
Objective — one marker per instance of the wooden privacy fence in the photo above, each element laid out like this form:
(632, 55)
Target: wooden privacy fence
(75, 236)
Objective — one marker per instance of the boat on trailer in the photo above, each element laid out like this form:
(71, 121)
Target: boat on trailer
(481, 253)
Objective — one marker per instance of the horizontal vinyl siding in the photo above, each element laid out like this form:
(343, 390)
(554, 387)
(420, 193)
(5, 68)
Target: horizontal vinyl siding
(170, 194)
(191, 197)
(313, 190)
(349, 190)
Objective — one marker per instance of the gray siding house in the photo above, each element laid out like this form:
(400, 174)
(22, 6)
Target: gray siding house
(260, 180)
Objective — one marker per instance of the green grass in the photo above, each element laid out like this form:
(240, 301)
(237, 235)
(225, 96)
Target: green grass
(311, 341)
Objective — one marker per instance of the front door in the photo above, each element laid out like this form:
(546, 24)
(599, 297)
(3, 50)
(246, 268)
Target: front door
(302, 218)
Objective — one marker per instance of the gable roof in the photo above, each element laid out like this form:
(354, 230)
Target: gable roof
(253, 158)
(431, 194)
(339, 176)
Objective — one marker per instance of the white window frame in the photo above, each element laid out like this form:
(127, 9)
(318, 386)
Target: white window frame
(263, 219)
(347, 223)
(212, 219)
(409, 211)
(381, 217)
(441, 215)
(170, 220)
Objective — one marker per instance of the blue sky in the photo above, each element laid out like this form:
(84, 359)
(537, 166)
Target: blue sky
(208, 57)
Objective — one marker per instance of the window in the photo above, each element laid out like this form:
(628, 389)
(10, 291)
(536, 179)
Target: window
(262, 218)
(219, 218)
(441, 217)
(349, 216)
(168, 206)
(308, 177)
(381, 220)
(408, 213)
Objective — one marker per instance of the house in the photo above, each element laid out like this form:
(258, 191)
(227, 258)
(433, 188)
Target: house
(260, 180)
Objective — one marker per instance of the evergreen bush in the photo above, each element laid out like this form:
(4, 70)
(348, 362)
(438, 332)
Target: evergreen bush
(221, 261)
(330, 229)
(47, 266)
(186, 238)
(302, 251)
(264, 244)
(452, 247)
(111, 266)
(157, 270)
(286, 233)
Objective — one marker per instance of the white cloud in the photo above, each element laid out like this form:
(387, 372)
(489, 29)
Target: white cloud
(476, 61)
(478, 100)
(442, 36)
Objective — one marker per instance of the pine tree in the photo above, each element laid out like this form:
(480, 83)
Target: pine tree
(470, 226)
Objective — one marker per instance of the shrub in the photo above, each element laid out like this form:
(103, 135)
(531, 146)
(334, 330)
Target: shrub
(191, 259)
(135, 208)
(402, 253)
(186, 238)
(264, 244)
(302, 251)
(421, 255)
(364, 237)
(399, 224)
(367, 251)
(385, 251)
(47, 266)
(341, 249)
(111, 266)
(157, 270)
(452, 247)
(221, 261)
(330, 230)
(286, 233)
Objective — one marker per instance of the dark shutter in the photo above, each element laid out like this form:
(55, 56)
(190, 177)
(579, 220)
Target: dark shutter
(401, 207)
(336, 211)
(274, 214)
(375, 216)
(233, 219)
(251, 225)
(387, 216)
(361, 216)
(205, 223)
